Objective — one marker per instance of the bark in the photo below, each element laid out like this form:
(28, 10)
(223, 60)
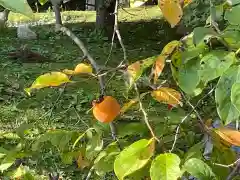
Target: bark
(4, 18)
(56, 8)
(105, 16)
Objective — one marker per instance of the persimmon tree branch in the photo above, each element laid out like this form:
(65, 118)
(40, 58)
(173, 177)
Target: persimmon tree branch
(86, 54)
(185, 118)
(234, 171)
(117, 32)
(228, 165)
(97, 68)
(145, 116)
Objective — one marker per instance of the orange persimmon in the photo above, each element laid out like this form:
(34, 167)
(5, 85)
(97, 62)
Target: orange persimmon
(106, 110)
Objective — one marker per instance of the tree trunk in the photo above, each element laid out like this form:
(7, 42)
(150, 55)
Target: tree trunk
(56, 9)
(105, 16)
(4, 18)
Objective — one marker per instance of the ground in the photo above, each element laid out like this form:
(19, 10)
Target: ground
(144, 33)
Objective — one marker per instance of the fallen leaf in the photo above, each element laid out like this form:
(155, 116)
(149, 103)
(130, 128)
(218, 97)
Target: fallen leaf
(51, 79)
(167, 95)
(171, 10)
(230, 136)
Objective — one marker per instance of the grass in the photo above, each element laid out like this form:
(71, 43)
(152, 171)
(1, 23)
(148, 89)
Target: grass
(144, 35)
(126, 15)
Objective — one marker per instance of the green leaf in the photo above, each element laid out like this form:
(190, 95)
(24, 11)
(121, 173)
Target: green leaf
(215, 63)
(233, 2)
(42, 2)
(133, 158)
(202, 33)
(190, 50)
(94, 145)
(199, 169)
(18, 173)
(235, 95)
(194, 152)
(105, 161)
(127, 129)
(165, 167)
(226, 110)
(58, 138)
(6, 163)
(188, 76)
(20, 6)
(52, 79)
(231, 14)
(3, 152)
(23, 129)
(67, 157)
(232, 37)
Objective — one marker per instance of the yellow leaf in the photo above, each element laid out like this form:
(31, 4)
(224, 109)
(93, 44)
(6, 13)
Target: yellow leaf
(167, 95)
(171, 10)
(169, 48)
(159, 65)
(83, 68)
(80, 69)
(68, 72)
(186, 3)
(51, 79)
(230, 136)
(82, 162)
(134, 69)
(127, 105)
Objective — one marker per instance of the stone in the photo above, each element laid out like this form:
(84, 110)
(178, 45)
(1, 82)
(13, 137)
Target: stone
(24, 32)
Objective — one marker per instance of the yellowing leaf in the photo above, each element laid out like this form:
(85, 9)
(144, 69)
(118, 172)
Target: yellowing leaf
(51, 79)
(172, 11)
(136, 69)
(186, 3)
(127, 105)
(230, 136)
(159, 65)
(83, 68)
(167, 95)
(68, 72)
(169, 48)
(82, 162)
(80, 69)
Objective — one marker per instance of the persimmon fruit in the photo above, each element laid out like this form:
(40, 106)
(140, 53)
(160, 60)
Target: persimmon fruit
(106, 110)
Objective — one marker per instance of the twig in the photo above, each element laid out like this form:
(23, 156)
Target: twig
(86, 54)
(145, 116)
(228, 165)
(234, 171)
(117, 32)
(93, 63)
(80, 119)
(193, 110)
(89, 173)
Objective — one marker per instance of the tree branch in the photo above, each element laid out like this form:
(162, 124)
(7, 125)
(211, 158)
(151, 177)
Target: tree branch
(86, 54)
(117, 32)
(95, 66)
(193, 110)
(145, 116)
